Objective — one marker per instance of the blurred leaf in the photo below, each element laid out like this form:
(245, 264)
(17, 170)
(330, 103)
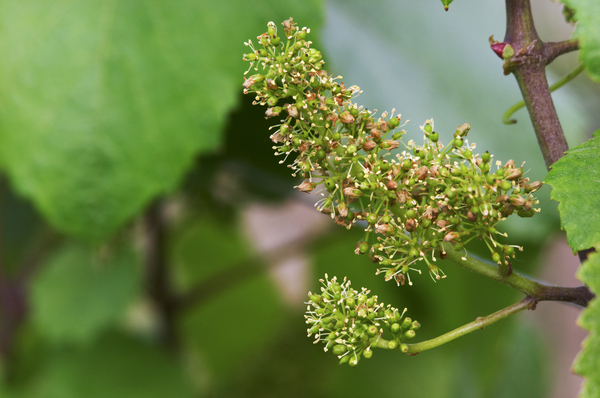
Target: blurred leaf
(587, 363)
(523, 356)
(236, 309)
(575, 179)
(116, 367)
(206, 246)
(587, 14)
(105, 104)
(81, 292)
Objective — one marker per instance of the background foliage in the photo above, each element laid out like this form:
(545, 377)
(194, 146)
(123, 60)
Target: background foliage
(109, 107)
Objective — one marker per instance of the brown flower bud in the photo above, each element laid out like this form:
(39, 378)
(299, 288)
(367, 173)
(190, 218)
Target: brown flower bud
(411, 224)
(534, 186)
(249, 82)
(510, 164)
(391, 144)
(384, 229)
(352, 192)
(433, 171)
(450, 236)
(346, 117)
(421, 173)
(369, 145)
(442, 224)
(306, 186)
(471, 217)
(375, 133)
(391, 185)
(462, 130)
(277, 137)
(271, 112)
(502, 199)
(517, 200)
(342, 209)
(271, 85)
(403, 196)
(291, 110)
(513, 174)
(383, 125)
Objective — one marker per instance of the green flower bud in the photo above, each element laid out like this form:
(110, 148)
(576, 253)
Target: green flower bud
(372, 331)
(339, 349)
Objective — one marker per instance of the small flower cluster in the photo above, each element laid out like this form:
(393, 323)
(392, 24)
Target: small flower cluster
(408, 201)
(351, 323)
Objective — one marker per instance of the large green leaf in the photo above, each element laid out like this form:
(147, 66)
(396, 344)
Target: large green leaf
(587, 363)
(587, 14)
(103, 105)
(575, 179)
(81, 292)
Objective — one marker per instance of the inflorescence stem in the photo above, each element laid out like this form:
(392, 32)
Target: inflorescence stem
(536, 290)
(477, 324)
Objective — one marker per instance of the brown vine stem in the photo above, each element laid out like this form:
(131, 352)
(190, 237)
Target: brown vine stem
(528, 65)
(158, 276)
(538, 291)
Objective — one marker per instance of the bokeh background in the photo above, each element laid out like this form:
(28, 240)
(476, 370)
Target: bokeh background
(151, 245)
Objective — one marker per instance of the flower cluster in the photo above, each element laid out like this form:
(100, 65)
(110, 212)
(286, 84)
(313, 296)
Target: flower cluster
(409, 198)
(351, 323)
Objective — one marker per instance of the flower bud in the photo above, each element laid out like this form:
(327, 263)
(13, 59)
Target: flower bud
(369, 145)
(346, 117)
(390, 144)
(462, 130)
(306, 186)
(514, 174)
(352, 192)
(450, 236)
(534, 186)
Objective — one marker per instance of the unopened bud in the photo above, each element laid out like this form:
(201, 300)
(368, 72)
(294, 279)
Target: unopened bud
(462, 130)
(450, 236)
(534, 186)
(369, 145)
(352, 192)
(391, 185)
(346, 117)
(513, 174)
(306, 186)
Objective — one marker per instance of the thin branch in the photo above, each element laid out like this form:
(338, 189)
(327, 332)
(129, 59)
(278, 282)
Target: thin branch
(477, 324)
(556, 48)
(158, 276)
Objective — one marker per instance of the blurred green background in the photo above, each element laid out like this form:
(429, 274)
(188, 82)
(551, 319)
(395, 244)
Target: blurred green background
(150, 243)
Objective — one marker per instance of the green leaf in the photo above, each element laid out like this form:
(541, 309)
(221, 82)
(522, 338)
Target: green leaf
(117, 367)
(587, 362)
(446, 4)
(104, 105)
(575, 180)
(236, 310)
(587, 14)
(81, 292)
